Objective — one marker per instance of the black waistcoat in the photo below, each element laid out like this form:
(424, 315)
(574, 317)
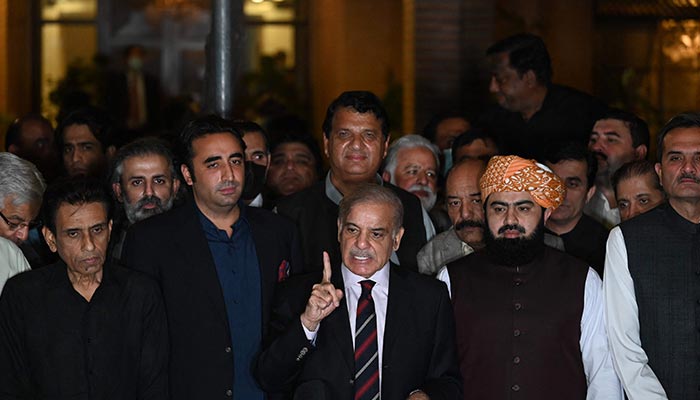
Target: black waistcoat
(518, 329)
(663, 254)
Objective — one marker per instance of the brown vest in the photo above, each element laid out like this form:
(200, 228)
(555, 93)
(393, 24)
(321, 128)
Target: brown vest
(518, 329)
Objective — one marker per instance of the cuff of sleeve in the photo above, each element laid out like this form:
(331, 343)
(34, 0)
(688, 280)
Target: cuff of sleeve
(310, 335)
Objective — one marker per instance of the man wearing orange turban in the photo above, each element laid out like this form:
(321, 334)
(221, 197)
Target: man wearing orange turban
(529, 317)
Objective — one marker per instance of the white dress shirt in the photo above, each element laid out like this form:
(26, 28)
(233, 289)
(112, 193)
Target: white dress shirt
(629, 358)
(12, 261)
(353, 290)
(597, 364)
(599, 209)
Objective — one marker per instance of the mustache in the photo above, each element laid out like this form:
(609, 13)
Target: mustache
(469, 223)
(600, 155)
(417, 187)
(226, 185)
(511, 227)
(686, 175)
(149, 200)
(354, 252)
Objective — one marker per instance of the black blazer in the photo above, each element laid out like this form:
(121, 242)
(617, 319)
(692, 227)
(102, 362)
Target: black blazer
(419, 343)
(172, 248)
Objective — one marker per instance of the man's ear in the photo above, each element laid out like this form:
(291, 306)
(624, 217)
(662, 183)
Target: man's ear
(117, 189)
(325, 147)
(111, 151)
(176, 185)
(657, 167)
(530, 78)
(397, 239)
(338, 221)
(547, 213)
(590, 193)
(12, 149)
(640, 152)
(386, 176)
(49, 238)
(186, 174)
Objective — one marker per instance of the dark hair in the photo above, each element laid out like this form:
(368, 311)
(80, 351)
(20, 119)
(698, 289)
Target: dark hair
(682, 120)
(430, 129)
(526, 52)
(139, 148)
(637, 168)
(98, 122)
(574, 151)
(306, 140)
(244, 126)
(372, 193)
(639, 130)
(361, 101)
(203, 126)
(73, 191)
(469, 137)
(14, 131)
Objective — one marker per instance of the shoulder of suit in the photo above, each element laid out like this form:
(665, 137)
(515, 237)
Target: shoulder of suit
(424, 283)
(260, 217)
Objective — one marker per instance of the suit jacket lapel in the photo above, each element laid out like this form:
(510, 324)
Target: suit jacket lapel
(398, 312)
(194, 249)
(338, 324)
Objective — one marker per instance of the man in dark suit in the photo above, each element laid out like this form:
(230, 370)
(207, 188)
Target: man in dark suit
(331, 345)
(356, 137)
(218, 263)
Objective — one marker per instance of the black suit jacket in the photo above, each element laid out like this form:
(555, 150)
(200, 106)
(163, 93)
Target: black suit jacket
(172, 248)
(419, 343)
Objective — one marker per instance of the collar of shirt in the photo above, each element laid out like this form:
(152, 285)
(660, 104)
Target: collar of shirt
(334, 194)
(213, 233)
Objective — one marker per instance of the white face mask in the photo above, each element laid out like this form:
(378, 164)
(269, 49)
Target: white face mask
(447, 154)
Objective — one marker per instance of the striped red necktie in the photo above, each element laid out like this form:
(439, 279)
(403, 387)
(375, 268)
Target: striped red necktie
(366, 351)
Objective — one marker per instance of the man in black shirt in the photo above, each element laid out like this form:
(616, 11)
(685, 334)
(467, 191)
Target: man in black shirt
(568, 228)
(532, 111)
(80, 329)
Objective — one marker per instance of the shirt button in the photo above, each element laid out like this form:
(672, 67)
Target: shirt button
(517, 306)
(516, 360)
(229, 393)
(518, 282)
(516, 332)
(227, 349)
(515, 388)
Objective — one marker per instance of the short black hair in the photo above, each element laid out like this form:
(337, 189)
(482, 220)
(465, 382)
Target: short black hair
(307, 140)
(634, 169)
(639, 129)
(98, 122)
(362, 101)
(682, 120)
(245, 126)
(430, 129)
(14, 131)
(526, 52)
(73, 191)
(203, 126)
(574, 151)
(469, 137)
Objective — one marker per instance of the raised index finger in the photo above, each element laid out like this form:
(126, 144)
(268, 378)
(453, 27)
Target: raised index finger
(326, 268)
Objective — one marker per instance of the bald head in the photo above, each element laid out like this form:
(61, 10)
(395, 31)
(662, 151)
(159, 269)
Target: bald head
(464, 201)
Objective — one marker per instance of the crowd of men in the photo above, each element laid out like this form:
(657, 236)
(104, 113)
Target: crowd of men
(538, 252)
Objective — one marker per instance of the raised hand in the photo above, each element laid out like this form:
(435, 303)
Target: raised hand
(324, 298)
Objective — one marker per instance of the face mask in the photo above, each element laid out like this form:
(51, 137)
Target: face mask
(447, 155)
(254, 180)
(135, 63)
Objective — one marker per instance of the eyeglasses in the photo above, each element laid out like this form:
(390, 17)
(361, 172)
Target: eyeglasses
(15, 226)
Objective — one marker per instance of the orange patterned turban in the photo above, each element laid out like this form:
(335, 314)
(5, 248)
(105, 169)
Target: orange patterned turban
(515, 174)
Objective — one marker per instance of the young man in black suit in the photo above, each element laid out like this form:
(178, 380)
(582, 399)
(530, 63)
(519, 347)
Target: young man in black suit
(218, 263)
(369, 328)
